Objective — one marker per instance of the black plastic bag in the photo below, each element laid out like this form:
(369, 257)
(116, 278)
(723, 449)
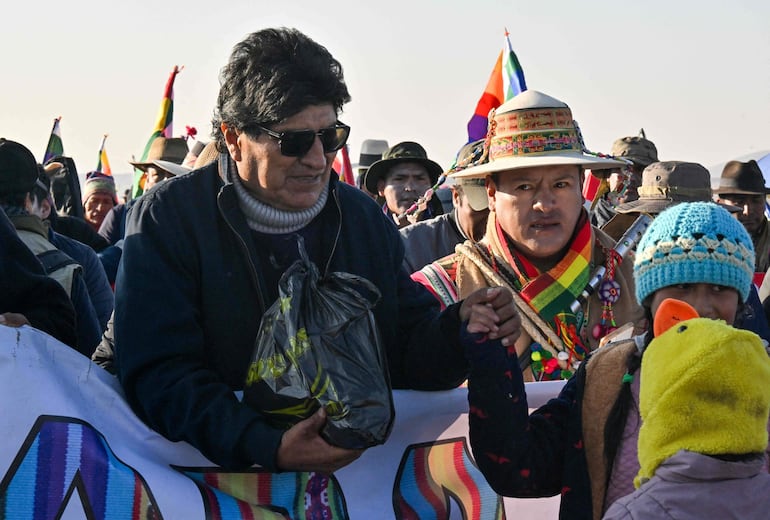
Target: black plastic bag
(318, 345)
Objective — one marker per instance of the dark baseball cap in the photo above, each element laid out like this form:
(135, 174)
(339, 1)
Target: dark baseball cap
(18, 168)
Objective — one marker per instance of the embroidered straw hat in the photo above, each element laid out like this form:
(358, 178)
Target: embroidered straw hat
(533, 129)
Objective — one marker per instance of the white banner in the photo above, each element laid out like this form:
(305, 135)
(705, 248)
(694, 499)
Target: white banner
(72, 448)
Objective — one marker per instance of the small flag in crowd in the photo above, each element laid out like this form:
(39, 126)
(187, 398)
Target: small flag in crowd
(506, 81)
(163, 127)
(104, 164)
(55, 146)
(342, 166)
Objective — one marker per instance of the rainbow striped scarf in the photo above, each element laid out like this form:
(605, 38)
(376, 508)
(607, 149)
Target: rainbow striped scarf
(551, 293)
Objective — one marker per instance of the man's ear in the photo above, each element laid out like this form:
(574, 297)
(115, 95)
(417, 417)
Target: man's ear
(45, 208)
(381, 187)
(231, 140)
(455, 197)
(491, 187)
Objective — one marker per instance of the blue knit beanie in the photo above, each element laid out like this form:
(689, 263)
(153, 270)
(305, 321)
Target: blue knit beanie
(694, 242)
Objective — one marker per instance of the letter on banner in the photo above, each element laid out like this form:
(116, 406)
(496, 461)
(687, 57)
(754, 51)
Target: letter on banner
(63, 455)
(431, 473)
(259, 494)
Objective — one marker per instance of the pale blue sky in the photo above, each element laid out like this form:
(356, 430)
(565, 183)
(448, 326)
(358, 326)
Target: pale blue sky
(695, 75)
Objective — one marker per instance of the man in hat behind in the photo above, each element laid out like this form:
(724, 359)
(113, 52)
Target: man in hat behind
(371, 152)
(18, 179)
(165, 153)
(435, 238)
(99, 197)
(538, 240)
(401, 178)
(743, 185)
(171, 149)
(666, 184)
(623, 182)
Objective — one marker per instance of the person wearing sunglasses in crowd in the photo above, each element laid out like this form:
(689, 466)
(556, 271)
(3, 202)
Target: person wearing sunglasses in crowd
(204, 252)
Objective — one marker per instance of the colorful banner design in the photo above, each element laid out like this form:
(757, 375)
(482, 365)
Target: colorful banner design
(72, 448)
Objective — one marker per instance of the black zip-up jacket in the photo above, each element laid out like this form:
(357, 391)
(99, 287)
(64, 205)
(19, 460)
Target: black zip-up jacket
(190, 297)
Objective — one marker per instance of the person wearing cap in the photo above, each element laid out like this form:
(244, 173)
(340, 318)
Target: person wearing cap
(94, 275)
(204, 252)
(167, 149)
(67, 216)
(27, 295)
(401, 178)
(371, 152)
(582, 444)
(538, 241)
(704, 427)
(743, 185)
(18, 179)
(665, 184)
(623, 182)
(99, 197)
(429, 240)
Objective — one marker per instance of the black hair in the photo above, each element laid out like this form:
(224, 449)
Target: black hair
(273, 74)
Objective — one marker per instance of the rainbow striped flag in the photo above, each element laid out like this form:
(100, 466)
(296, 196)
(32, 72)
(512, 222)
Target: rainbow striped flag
(163, 128)
(104, 164)
(506, 80)
(55, 146)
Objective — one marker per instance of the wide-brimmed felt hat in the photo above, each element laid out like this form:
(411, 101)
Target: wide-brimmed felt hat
(18, 168)
(171, 149)
(637, 149)
(533, 129)
(742, 178)
(371, 152)
(407, 151)
(665, 184)
(207, 154)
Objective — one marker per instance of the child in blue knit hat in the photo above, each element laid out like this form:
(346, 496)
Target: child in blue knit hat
(583, 443)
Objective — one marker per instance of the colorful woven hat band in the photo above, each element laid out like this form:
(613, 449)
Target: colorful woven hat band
(532, 132)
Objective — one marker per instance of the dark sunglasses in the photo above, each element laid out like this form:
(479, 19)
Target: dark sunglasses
(296, 143)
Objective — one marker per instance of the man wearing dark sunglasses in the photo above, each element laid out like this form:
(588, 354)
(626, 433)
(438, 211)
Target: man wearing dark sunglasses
(204, 252)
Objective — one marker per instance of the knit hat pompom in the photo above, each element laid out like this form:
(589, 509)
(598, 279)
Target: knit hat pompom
(694, 242)
(98, 182)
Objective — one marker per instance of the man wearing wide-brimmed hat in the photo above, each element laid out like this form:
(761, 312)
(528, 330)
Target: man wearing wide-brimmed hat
(743, 185)
(664, 184)
(538, 240)
(623, 182)
(371, 152)
(164, 149)
(401, 178)
(432, 239)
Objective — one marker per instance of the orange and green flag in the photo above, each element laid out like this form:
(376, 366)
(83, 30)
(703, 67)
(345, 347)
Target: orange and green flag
(163, 128)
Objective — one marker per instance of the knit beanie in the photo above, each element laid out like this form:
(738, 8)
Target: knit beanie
(705, 388)
(694, 242)
(98, 182)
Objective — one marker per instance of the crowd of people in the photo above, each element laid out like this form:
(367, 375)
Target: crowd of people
(514, 277)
